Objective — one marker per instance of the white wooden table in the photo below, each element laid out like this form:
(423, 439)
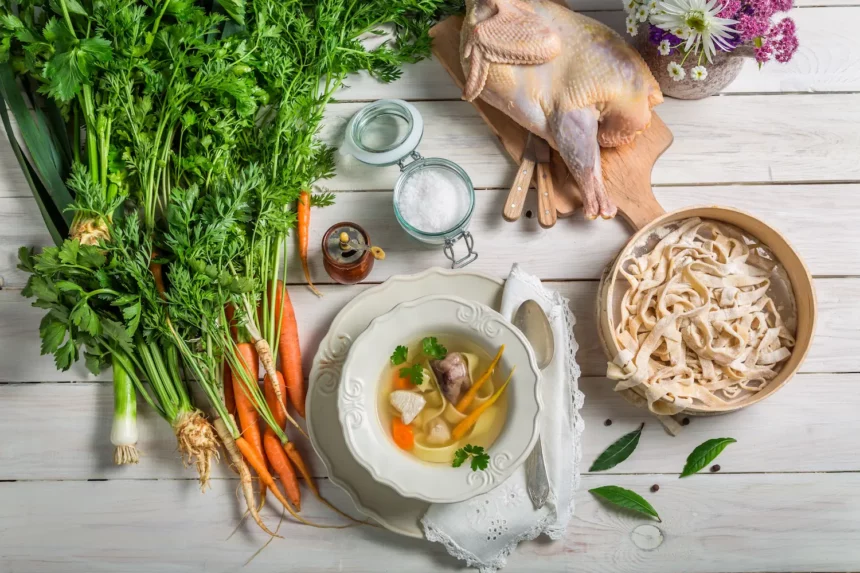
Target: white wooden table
(783, 143)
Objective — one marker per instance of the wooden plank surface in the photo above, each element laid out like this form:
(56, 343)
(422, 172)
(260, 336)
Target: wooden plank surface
(573, 249)
(774, 436)
(711, 524)
(828, 59)
(837, 337)
(746, 139)
(788, 495)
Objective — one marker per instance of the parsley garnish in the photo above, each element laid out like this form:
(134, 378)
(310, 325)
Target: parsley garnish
(480, 459)
(414, 373)
(433, 349)
(399, 355)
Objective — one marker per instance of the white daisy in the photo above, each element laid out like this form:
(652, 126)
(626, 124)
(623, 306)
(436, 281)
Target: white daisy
(631, 19)
(632, 29)
(676, 72)
(630, 5)
(682, 33)
(664, 47)
(642, 13)
(700, 18)
(699, 73)
(652, 6)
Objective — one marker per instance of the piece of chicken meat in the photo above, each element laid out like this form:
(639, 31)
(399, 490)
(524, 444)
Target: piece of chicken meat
(452, 373)
(563, 76)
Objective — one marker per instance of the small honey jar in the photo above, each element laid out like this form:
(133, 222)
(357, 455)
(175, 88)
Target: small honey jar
(348, 256)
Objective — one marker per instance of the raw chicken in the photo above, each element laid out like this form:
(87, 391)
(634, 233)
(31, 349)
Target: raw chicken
(408, 403)
(563, 76)
(452, 373)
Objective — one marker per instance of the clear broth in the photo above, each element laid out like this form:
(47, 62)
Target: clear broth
(497, 413)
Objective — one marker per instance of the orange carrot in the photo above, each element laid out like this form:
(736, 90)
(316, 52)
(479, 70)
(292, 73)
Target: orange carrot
(272, 445)
(401, 383)
(256, 462)
(403, 435)
(278, 458)
(467, 398)
(463, 427)
(304, 224)
(289, 350)
(248, 423)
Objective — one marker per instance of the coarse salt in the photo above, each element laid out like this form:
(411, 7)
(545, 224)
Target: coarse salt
(433, 200)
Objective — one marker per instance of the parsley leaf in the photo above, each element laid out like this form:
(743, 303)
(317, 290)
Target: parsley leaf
(480, 458)
(414, 373)
(433, 349)
(399, 355)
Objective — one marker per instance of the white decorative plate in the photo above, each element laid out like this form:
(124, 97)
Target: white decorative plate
(393, 511)
(358, 397)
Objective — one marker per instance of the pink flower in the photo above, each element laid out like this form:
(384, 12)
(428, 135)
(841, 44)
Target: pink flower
(783, 5)
(762, 8)
(752, 26)
(784, 39)
(730, 8)
(763, 54)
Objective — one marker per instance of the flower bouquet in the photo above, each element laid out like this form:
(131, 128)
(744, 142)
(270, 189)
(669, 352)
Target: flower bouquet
(695, 48)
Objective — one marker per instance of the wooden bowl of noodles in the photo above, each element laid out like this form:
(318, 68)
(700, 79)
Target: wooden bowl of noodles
(706, 310)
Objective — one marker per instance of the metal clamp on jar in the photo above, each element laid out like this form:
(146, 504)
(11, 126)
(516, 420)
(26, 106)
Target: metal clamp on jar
(433, 197)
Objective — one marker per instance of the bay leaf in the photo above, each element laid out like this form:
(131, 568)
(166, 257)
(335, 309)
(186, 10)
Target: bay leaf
(626, 499)
(704, 454)
(619, 451)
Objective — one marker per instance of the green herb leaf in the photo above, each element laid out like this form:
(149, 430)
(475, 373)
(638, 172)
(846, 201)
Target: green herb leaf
(66, 355)
(86, 318)
(432, 349)
(619, 451)
(69, 252)
(414, 373)
(480, 459)
(53, 333)
(626, 499)
(705, 454)
(399, 355)
(41, 289)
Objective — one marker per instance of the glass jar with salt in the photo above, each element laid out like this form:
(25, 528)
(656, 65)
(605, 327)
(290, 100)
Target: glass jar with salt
(433, 197)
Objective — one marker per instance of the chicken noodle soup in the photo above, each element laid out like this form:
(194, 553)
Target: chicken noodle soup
(419, 408)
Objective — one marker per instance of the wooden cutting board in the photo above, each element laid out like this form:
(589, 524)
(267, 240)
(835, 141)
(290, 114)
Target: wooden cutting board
(626, 169)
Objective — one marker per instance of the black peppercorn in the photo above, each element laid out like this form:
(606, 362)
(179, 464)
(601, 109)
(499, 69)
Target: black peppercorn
(655, 488)
(715, 468)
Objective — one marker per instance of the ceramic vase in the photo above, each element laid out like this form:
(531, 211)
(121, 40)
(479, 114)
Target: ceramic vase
(721, 72)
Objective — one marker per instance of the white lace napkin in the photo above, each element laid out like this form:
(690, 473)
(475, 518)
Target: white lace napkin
(484, 530)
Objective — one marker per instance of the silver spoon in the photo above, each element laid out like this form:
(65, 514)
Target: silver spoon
(533, 323)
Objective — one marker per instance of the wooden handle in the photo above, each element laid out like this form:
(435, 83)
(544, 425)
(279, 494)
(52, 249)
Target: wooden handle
(546, 196)
(517, 196)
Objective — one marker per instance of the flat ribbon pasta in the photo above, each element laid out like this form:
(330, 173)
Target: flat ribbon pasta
(696, 325)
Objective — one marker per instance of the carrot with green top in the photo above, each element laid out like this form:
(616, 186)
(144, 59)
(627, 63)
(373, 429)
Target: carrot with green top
(304, 231)
(464, 426)
(289, 349)
(469, 396)
(272, 445)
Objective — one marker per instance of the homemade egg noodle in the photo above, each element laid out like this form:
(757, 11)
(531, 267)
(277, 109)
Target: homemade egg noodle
(423, 400)
(698, 324)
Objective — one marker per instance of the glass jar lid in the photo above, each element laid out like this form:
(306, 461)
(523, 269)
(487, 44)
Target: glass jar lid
(383, 132)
